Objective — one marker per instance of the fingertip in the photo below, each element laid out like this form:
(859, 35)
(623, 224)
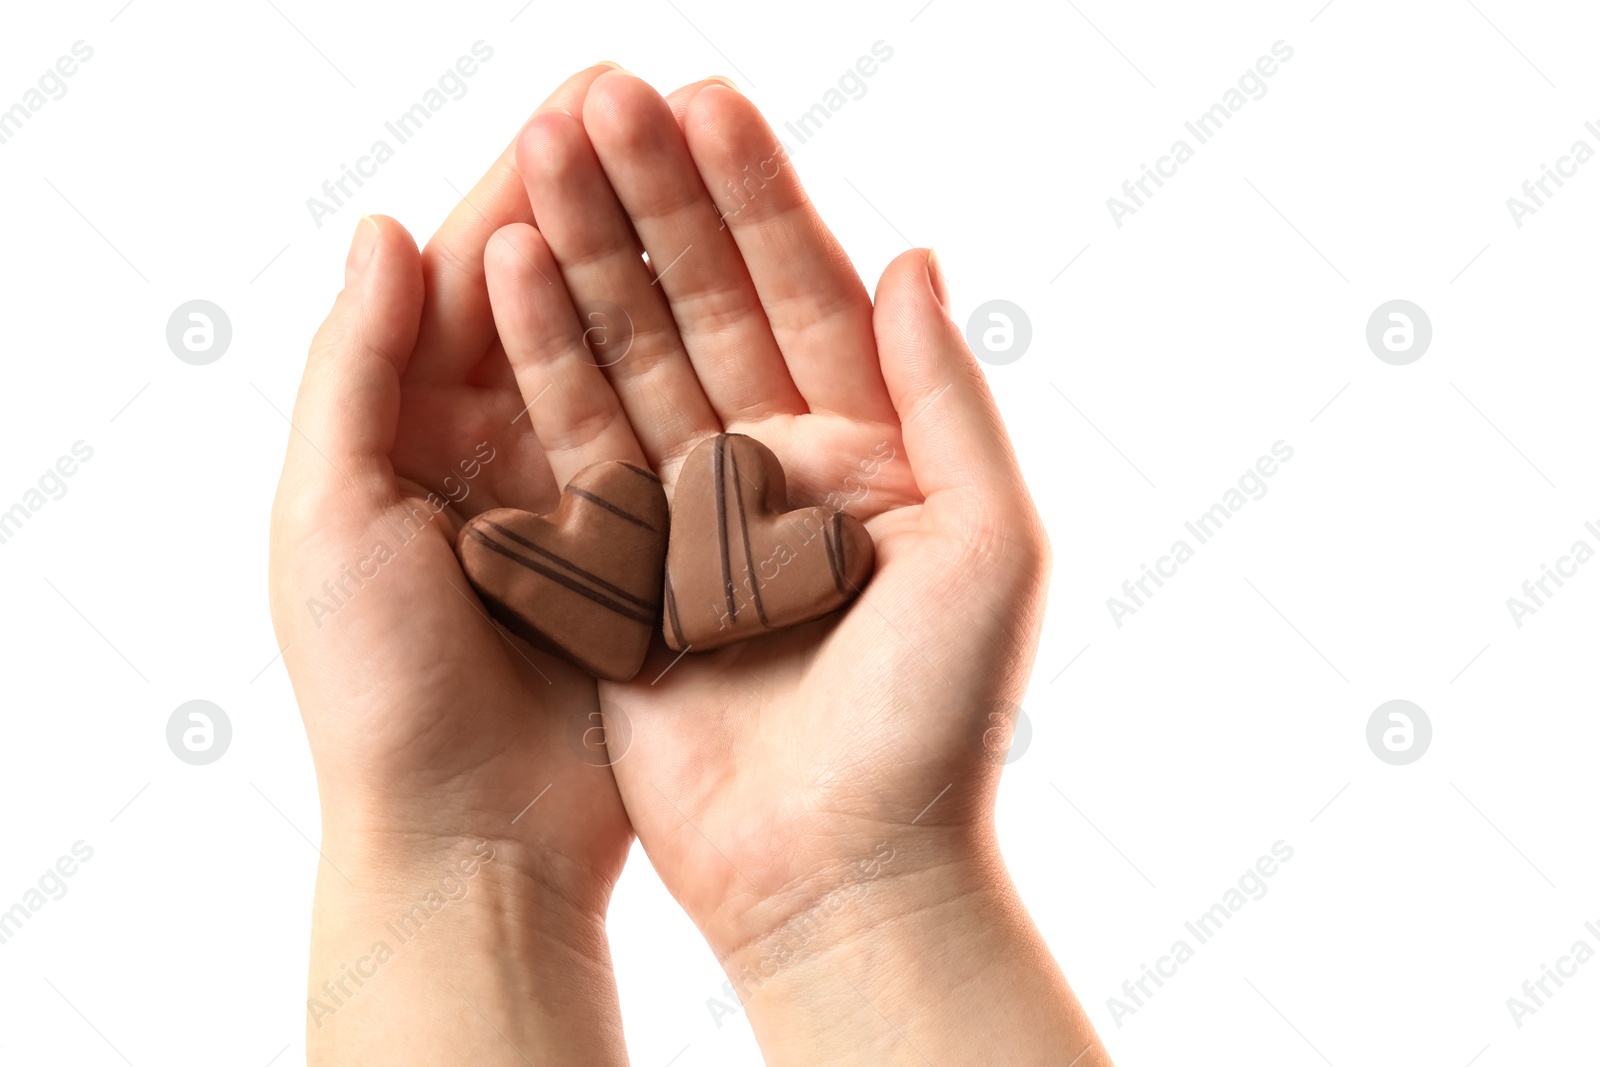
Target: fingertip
(389, 229)
(508, 247)
(679, 99)
(380, 307)
(381, 252)
(550, 146)
(623, 111)
(727, 135)
(941, 290)
(718, 89)
(714, 105)
(568, 97)
(349, 397)
(516, 259)
(953, 432)
(911, 293)
(363, 243)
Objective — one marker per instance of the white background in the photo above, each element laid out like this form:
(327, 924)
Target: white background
(1228, 714)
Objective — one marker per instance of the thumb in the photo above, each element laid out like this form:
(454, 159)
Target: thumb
(954, 438)
(349, 400)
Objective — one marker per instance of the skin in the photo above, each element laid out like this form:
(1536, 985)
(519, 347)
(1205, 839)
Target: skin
(820, 801)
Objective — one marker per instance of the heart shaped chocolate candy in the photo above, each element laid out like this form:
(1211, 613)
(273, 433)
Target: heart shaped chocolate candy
(584, 582)
(739, 563)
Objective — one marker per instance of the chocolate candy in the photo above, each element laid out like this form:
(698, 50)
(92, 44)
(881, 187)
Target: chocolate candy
(739, 564)
(583, 583)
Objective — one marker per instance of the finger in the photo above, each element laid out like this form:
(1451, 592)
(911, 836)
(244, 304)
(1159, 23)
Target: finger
(818, 308)
(954, 438)
(344, 416)
(678, 99)
(697, 264)
(601, 262)
(457, 327)
(575, 413)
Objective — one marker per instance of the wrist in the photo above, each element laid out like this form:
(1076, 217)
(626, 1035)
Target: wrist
(466, 944)
(841, 903)
(935, 962)
(381, 860)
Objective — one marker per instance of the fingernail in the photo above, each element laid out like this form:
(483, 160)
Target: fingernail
(725, 80)
(936, 278)
(362, 246)
(613, 65)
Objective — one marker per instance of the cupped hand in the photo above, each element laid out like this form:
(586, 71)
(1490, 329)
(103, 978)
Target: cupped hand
(426, 723)
(451, 759)
(767, 778)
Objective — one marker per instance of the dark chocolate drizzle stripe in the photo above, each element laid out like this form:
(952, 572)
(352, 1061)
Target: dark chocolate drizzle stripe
(616, 591)
(744, 532)
(608, 505)
(833, 562)
(672, 612)
(561, 579)
(722, 524)
(640, 470)
(524, 629)
(838, 540)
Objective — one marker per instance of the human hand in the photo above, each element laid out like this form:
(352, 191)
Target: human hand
(444, 750)
(819, 800)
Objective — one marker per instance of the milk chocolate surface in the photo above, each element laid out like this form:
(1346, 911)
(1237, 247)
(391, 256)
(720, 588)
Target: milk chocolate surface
(739, 563)
(584, 582)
